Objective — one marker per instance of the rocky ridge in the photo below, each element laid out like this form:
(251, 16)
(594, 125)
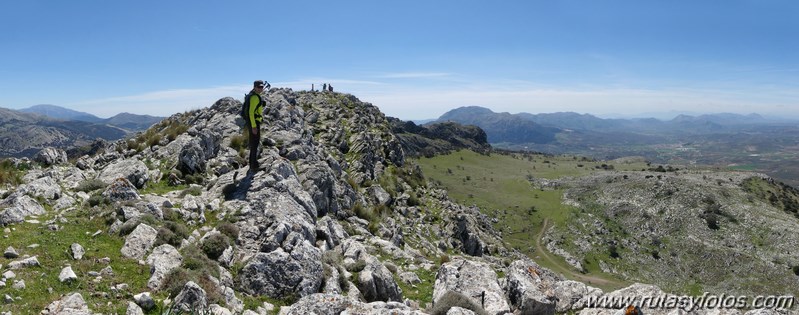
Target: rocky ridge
(336, 222)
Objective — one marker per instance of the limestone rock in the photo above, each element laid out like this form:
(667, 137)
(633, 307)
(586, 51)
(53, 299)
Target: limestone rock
(473, 280)
(191, 298)
(572, 295)
(10, 253)
(279, 274)
(77, 251)
(134, 309)
(376, 283)
(192, 159)
(163, 259)
(331, 231)
(51, 156)
(18, 207)
(121, 190)
(44, 187)
(25, 263)
(67, 275)
(528, 290)
(72, 304)
(139, 242)
(131, 169)
(144, 300)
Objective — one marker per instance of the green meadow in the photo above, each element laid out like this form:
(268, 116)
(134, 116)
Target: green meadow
(500, 184)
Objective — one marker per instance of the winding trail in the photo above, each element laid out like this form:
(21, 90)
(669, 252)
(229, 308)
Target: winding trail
(543, 253)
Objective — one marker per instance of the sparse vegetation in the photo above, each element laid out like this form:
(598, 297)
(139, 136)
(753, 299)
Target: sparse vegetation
(215, 245)
(90, 185)
(10, 174)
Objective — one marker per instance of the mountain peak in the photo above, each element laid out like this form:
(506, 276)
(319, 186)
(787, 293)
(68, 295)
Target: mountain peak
(58, 112)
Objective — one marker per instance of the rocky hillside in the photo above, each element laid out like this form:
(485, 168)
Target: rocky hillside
(23, 134)
(438, 138)
(126, 121)
(686, 230)
(502, 127)
(338, 221)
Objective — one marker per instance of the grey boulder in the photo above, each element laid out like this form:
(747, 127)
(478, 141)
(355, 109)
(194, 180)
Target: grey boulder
(473, 280)
(191, 299)
(528, 290)
(18, 207)
(133, 170)
(279, 274)
(139, 242)
(51, 156)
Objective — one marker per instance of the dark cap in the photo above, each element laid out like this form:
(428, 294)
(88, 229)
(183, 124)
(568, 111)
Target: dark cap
(258, 83)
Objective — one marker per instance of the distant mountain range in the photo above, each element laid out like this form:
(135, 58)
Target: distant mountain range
(502, 127)
(24, 132)
(749, 142)
(542, 128)
(127, 121)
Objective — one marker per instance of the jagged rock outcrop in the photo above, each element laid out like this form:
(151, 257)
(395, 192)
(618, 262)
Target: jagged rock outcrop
(280, 274)
(191, 298)
(529, 290)
(51, 156)
(73, 304)
(376, 283)
(133, 170)
(18, 207)
(438, 138)
(324, 304)
(121, 190)
(162, 260)
(139, 242)
(473, 280)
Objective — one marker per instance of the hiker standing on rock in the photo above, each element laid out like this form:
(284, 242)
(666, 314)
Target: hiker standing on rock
(254, 107)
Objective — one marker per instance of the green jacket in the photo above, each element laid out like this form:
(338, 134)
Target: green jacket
(255, 112)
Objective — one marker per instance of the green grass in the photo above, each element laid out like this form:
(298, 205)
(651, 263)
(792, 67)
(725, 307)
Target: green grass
(500, 186)
(54, 254)
(161, 188)
(9, 174)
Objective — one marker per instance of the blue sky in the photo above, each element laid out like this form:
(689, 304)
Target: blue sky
(413, 59)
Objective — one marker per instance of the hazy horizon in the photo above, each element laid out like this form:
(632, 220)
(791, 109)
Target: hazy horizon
(657, 115)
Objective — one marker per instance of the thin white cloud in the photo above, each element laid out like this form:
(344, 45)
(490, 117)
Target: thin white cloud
(159, 103)
(413, 75)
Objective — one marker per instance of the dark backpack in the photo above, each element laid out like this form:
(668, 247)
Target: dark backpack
(245, 108)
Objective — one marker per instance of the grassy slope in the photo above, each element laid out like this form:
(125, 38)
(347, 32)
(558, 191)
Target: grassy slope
(499, 185)
(52, 250)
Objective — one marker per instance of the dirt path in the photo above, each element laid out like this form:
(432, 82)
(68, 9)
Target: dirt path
(567, 270)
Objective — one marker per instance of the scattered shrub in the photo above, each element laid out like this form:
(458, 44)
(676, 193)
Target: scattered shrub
(215, 245)
(195, 259)
(357, 267)
(128, 227)
(443, 259)
(413, 201)
(614, 252)
(166, 236)
(193, 190)
(98, 199)
(90, 185)
(174, 281)
(178, 228)
(362, 212)
(169, 214)
(228, 229)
